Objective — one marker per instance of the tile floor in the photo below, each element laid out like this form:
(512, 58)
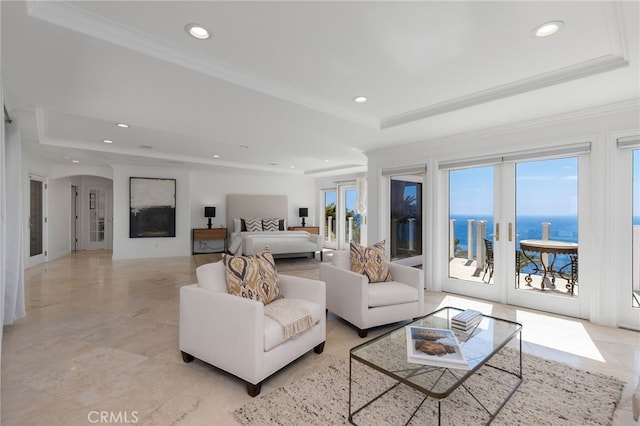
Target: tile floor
(101, 336)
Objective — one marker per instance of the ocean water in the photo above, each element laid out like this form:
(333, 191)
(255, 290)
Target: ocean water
(561, 228)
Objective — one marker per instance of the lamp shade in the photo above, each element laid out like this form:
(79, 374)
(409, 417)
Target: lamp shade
(303, 212)
(209, 212)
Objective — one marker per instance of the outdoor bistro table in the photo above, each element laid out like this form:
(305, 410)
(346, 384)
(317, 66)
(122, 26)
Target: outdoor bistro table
(549, 270)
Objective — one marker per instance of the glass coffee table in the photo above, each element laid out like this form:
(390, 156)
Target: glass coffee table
(388, 355)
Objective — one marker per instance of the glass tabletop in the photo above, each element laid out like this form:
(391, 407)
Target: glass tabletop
(388, 353)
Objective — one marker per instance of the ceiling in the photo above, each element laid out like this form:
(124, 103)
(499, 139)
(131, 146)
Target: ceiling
(272, 89)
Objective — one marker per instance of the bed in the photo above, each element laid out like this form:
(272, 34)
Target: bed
(259, 221)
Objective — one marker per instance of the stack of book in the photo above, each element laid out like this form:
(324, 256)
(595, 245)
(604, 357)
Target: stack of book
(466, 320)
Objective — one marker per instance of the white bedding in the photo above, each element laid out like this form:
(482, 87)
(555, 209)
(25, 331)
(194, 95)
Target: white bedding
(279, 242)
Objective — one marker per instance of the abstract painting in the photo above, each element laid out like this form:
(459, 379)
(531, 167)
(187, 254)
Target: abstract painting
(152, 207)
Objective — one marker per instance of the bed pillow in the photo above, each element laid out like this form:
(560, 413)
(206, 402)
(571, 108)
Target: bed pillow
(237, 225)
(253, 225)
(271, 225)
(282, 224)
(253, 277)
(370, 261)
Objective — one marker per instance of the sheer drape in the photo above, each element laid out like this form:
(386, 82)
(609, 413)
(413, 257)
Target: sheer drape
(13, 266)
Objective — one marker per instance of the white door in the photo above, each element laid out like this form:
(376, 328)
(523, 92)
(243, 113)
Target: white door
(329, 215)
(626, 228)
(492, 208)
(348, 221)
(99, 219)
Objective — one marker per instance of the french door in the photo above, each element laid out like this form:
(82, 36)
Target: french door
(492, 208)
(342, 221)
(99, 212)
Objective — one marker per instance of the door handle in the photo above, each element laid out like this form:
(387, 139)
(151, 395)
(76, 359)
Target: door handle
(497, 232)
(510, 231)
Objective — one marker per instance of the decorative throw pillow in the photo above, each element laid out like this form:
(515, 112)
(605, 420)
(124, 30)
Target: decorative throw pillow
(253, 225)
(253, 277)
(270, 225)
(370, 261)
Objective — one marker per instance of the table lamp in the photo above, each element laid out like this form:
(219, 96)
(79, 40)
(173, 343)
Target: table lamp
(303, 212)
(209, 212)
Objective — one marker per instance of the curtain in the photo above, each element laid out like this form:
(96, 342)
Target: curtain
(361, 202)
(13, 267)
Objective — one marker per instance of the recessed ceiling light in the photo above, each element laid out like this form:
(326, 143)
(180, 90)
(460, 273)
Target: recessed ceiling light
(326, 160)
(548, 28)
(123, 125)
(75, 161)
(215, 156)
(146, 146)
(197, 31)
(107, 141)
(244, 146)
(292, 167)
(360, 99)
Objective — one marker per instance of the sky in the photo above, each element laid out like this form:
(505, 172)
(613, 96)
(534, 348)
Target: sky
(543, 188)
(330, 198)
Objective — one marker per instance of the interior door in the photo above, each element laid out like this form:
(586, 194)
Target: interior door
(98, 205)
(37, 221)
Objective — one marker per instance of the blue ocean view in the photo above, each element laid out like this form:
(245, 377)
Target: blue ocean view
(562, 228)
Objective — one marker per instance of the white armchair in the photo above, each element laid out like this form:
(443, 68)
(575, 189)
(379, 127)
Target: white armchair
(366, 305)
(233, 333)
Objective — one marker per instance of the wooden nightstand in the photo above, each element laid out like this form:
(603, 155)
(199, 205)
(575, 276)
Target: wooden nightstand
(310, 229)
(200, 237)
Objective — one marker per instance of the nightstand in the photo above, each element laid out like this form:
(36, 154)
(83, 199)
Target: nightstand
(310, 229)
(201, 236)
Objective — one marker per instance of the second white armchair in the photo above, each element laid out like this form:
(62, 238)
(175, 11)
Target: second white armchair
(367, 305)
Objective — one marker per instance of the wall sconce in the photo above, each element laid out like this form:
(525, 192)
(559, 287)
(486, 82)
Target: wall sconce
(303, 212)
(209, 212)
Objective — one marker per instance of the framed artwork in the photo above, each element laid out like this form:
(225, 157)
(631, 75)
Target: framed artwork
(152, 207)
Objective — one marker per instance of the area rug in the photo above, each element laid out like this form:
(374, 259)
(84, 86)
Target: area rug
(551, 394)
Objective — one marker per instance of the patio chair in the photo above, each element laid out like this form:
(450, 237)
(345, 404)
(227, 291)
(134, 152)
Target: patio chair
(488, 259)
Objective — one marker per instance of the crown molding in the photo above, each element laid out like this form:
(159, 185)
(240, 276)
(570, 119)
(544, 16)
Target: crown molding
(81, 21)
(584, 69)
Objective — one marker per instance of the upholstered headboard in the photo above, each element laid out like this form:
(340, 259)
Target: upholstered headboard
(246, 206)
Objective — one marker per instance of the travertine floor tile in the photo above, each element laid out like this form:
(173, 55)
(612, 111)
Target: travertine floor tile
(102, 336)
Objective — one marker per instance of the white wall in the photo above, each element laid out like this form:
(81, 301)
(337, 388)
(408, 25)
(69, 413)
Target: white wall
(599, 202)
(132, 248)
(210, 188)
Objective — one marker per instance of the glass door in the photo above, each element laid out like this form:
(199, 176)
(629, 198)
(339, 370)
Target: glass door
(37, 221)
(406, 219)
(542, 235)
(513, 233)
(349, 221)
(471, 264)
(626, 228)
(329, 214)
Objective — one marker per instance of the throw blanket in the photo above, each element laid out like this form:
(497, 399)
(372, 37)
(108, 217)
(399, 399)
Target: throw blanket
(291, 315)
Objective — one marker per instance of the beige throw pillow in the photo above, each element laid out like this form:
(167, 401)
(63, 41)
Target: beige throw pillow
(252, 277)
(370, 261)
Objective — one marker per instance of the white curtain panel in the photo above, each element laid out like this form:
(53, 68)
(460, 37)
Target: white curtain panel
(361, 201)
(13, 267)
